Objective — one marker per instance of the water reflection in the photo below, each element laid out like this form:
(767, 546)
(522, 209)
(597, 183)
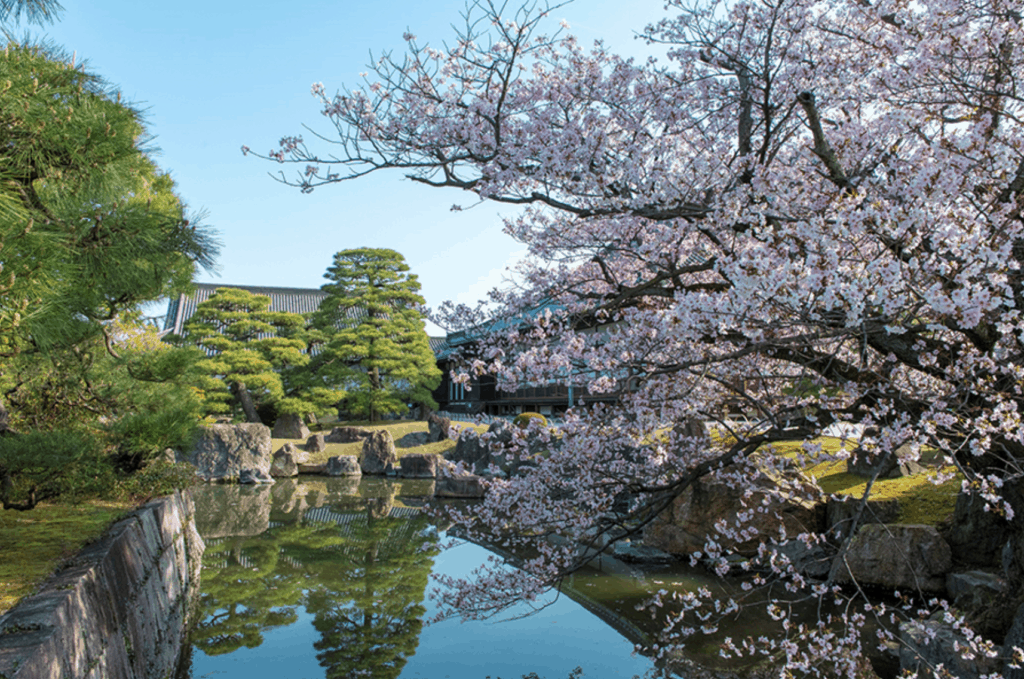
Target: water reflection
(345, 551)
(328, 578)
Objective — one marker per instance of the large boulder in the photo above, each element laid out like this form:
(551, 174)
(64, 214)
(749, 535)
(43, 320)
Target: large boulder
(976, 536)
(980, 597)
(471, 450)
(437, 428)
(899, 556)
(284, 465)
(346, 435)
(378, 456)
(419, 465)
(686, 526)
(343, 465)
(290, 426)
(224, 450)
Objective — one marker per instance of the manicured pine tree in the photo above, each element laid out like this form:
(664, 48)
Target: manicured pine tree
(376, 347)
(251, 345)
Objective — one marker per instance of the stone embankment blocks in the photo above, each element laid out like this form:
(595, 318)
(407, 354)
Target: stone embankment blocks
(121, 608)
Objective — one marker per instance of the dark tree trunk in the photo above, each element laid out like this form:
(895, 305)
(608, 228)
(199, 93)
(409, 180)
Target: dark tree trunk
(245, 399)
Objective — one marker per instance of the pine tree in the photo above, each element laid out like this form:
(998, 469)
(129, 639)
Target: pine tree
(376, 346)
(250, 345)
(89, 229)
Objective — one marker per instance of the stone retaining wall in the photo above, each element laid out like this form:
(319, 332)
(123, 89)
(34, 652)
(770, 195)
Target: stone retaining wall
(120, 609)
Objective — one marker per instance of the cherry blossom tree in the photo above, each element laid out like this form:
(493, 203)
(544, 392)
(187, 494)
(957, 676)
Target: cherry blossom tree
(812, 213)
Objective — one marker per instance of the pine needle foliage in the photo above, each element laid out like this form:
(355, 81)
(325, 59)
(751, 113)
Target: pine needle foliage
(376, 346)
(248, 347)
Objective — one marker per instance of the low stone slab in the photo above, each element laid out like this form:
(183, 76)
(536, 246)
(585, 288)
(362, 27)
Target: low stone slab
(419, 466)
(121, 608)
(343, 465)
(460, 486)
(412, 440)
(313, 469)
(899, 556)
(346, 435)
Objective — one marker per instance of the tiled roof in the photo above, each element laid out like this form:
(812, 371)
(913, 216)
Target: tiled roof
(292, 300)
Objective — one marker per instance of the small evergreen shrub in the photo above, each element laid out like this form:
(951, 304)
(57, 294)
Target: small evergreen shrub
(523, 420)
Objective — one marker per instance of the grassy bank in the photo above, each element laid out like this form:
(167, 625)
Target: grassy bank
(36, 542)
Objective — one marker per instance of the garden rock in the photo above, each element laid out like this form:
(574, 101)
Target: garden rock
(813, 561)
(316, 443)
(927, 644)
(254, 476)
(223, 450)
(976, 536)
(284, 464)
(346, 435)
(319, 468)
(839, 513)
(980, 596)
(864, 463)
(437, 428)
(1014, 639)
(686, 525)
(419, 466)
(471, 450)
(896, 556)
(413, 439)
(460, 486)
(301, 456)
(637, 553)
(343, 465)
(378, 456)
(290, 426)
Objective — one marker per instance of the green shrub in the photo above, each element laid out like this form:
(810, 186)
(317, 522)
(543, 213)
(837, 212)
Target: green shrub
(523, 420)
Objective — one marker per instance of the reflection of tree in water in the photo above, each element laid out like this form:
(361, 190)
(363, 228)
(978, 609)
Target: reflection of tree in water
(250, 586)
(367, 604)
(359, 560)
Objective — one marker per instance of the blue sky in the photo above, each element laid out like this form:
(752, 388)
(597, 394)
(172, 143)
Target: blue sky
(218, 74)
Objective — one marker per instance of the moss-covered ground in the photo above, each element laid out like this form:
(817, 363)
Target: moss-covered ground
(36, 542)
(921, 500)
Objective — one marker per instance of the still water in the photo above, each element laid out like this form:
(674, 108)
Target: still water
(331, 578)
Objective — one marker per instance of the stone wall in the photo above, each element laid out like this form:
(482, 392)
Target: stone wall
(120, 609)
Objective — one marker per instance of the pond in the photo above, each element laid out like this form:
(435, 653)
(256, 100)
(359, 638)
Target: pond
(323, 577)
